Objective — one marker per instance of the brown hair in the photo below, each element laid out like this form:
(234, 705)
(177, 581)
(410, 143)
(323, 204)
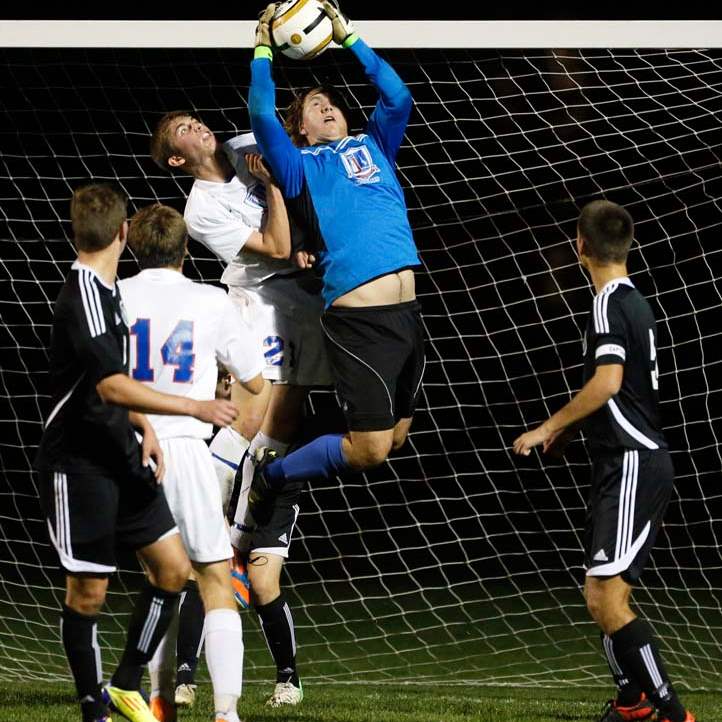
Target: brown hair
(607, 230)
(294, 112)
(97, 212)
(161, 142)
(158, 237)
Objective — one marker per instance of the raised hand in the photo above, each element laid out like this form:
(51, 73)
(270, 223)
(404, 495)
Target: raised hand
(263, 29)
(258, 168)
(342, 26)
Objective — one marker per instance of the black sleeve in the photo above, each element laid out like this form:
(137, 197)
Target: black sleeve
(89, 327)
(612, 342)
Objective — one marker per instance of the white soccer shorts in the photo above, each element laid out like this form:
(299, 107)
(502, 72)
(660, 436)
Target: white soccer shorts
(285, 316)
(191, 488)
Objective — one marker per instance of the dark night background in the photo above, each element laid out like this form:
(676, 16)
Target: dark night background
(502, 150)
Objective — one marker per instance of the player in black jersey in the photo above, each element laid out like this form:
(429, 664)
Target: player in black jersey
(97, 485)
(632, 474)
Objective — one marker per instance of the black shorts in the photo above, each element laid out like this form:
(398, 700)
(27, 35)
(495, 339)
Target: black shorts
(274, 531)
(629, 496)
(88, 514)
(377, 358)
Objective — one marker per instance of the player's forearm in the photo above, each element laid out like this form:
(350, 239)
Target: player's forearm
(273, 141)
(123, 391)
(393, 91)
(593, 395)
(277, 233)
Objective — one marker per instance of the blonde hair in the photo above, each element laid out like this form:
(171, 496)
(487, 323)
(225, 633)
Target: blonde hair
(158, 237)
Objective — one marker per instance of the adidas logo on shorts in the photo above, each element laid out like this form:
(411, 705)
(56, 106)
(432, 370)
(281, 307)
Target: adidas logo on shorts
(283, 538)
(601, 556)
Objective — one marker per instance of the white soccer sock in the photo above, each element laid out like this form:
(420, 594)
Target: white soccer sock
(242, 519)
(162, 666)
(224, 658)
(260, 440)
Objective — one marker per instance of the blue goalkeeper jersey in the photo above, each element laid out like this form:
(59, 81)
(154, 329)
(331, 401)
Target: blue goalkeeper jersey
(345, 194)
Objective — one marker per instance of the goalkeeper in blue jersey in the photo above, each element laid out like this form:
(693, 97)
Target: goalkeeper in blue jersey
(344, 191)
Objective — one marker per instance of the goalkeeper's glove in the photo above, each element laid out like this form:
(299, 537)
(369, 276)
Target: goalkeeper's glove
(343, 32)
(263, 29)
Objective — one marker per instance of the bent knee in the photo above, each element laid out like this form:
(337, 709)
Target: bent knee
(365, 453)
(86, 602)
(399, 441)
(172, 579)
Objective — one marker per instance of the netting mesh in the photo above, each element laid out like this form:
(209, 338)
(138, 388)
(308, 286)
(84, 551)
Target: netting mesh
(453, 562)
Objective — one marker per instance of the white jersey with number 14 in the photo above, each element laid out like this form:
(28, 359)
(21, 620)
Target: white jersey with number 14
(179, 330)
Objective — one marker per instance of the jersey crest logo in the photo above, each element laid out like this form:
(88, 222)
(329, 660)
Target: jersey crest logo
(256, 195)
(360, 166)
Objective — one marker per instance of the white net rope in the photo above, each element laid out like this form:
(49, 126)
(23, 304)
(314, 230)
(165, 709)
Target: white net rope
(454, 562)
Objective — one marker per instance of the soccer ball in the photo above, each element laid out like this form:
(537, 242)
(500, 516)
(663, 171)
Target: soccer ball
(300, 29)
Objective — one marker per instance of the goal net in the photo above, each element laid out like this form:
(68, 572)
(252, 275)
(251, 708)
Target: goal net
(454, 562)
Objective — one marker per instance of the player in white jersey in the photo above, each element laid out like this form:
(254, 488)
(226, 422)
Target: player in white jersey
(236, 209)
(180, 330)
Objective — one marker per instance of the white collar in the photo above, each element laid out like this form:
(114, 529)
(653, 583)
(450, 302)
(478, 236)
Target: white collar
(624, 280)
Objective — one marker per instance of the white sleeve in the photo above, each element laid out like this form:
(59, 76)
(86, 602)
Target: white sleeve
(238, 348)
(218, 230)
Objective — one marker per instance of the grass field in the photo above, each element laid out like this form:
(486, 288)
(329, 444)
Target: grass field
(33, 702)
(485, 655)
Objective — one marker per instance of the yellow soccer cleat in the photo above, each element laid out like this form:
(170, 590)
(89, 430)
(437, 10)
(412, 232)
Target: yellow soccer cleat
(130, 704)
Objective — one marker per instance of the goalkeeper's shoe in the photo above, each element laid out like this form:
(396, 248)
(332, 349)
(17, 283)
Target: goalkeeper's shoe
(130, 704)
(163, 710)
(260, 494)
(241, 585)
(614, 712)
(689, 718)
(286, 694)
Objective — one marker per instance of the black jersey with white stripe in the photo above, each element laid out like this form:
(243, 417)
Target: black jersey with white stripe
(89, 342)
(622, 330)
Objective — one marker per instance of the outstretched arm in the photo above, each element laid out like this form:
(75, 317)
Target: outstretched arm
(391, 114)
(605, 383)
(121, 390)
(276, 148)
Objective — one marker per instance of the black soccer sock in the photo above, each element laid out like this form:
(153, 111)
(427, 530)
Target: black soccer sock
(637, 654)
(190, 633)
(277, 626)
(148, 624)
(628, 691)
(80, 639)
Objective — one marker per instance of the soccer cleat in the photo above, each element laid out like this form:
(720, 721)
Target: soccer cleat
(130, 704)
(163, 710)
(260, 491)
(241, 585)
(286, 694)
(689, 718)
(185, 695)
(614, 712)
